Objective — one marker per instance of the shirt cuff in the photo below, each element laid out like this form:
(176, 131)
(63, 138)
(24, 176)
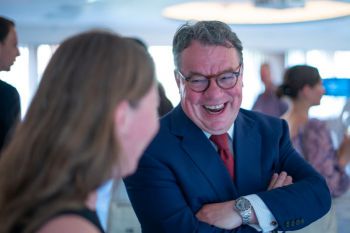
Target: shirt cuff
(266, 221)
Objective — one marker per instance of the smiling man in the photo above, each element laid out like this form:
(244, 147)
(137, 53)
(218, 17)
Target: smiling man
(214, 167)
(9, 97)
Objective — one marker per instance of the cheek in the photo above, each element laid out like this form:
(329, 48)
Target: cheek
(151, 128)
(236, 94)
(142, 133)
(190, 97)
(14, 53)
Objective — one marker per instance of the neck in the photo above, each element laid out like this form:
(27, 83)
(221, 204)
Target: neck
(91, 200)
(300, 109)
(297, 116)
(270, 87)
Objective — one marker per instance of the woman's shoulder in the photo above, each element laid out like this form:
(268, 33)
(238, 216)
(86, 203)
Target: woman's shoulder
(71, 221)
(316, 124)
(68, 223)
(316, 129)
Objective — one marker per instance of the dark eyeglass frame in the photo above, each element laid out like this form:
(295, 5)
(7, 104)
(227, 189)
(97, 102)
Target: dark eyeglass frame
(236, 75)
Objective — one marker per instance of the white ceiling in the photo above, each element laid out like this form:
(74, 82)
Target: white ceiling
(49, 21)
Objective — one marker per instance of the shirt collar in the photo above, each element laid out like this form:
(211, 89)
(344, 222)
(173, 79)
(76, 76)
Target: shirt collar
(230, 132)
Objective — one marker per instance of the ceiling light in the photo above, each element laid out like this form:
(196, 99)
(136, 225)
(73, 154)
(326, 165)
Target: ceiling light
(248, 13)
(92, 1)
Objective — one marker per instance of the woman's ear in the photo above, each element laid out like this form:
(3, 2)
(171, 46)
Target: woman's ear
(122, 117)
(305, 90)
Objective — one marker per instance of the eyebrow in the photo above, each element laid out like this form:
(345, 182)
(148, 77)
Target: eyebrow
(230, 70)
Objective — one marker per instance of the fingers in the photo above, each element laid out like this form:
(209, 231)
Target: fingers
(280, 180)
(288, 181)
(273, 181)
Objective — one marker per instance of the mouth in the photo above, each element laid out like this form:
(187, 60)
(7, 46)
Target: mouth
(214, 109)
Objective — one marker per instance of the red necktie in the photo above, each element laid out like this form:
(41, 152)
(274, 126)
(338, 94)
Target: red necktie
(222, 142)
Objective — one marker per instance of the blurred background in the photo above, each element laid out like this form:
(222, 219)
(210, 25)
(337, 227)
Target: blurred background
(42, 25)
(279, 32)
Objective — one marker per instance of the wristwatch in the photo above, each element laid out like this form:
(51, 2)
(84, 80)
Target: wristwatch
(244, 209)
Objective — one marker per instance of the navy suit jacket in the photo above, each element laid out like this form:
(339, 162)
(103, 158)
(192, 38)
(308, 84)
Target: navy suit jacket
(181, 171)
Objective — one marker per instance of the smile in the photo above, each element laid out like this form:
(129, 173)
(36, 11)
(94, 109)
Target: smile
(214, 108)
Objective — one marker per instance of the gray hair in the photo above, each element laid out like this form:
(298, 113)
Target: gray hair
(207, 33)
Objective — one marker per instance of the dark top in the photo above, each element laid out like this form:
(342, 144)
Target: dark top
(89, 215)
(9, 111)
(85, 213)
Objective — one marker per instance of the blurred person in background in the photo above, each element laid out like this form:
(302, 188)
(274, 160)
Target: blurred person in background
(93, 114)
(165, 104)
(310, 136)
(268, 102)
(9, 97)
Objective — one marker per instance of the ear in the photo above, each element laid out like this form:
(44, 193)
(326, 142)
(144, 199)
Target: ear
(177, 79)
(122, 117)
(305, 90)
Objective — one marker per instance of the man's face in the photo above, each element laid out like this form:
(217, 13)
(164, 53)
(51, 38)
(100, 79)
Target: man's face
(265, 74)
(8, 50)
(215, 109)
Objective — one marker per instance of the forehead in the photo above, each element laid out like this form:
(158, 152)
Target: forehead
(208, 59)
(11, 36)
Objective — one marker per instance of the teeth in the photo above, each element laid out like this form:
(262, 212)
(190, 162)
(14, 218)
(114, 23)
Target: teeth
(214, 107)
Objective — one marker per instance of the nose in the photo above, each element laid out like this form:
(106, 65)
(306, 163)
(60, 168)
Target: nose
(213, 88)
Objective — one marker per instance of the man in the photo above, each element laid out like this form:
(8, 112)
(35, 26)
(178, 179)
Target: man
(268, 102)
(9, 97)
(182, 185)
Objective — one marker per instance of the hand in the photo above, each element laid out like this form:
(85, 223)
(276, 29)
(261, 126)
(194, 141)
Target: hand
(221, 215)
(280, 180)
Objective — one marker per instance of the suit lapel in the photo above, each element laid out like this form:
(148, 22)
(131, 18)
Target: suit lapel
(198, 147)
(247, 149)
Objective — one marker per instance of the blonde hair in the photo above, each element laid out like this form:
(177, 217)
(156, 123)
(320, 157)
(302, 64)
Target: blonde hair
(65, 148)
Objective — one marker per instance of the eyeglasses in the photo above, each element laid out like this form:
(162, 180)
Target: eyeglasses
(200, 83)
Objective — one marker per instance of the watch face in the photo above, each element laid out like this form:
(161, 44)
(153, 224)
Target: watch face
(242, 204)
(245, 209)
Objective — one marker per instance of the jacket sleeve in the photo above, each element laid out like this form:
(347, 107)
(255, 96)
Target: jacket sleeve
(306, 200)
(159, 202)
